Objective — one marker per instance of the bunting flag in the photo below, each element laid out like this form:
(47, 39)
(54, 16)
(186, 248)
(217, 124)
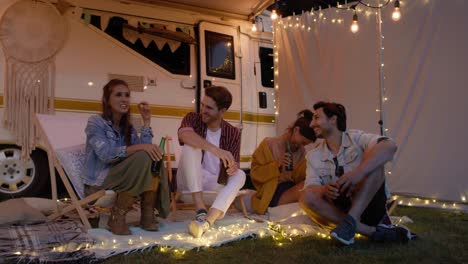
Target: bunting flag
(105, 21)
(146, 39)
(173, 45)
(130, 35)
(133, 35)
(160, 42)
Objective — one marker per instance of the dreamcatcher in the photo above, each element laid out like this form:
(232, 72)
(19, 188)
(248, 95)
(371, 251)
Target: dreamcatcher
(31, 33)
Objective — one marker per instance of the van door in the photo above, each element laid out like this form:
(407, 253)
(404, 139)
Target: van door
(219, 62)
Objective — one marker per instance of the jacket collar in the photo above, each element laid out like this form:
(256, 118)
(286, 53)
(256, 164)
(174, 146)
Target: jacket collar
(326, 153)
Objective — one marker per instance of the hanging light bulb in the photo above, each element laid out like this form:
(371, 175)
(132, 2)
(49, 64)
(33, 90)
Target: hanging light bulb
(274, 15)
(254, 25)
(396, 15)
(355, 25)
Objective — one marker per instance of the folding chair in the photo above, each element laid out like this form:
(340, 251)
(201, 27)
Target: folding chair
(167, 150)
(64, 138)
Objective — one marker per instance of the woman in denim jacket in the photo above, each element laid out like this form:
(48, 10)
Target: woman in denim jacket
(118, 159)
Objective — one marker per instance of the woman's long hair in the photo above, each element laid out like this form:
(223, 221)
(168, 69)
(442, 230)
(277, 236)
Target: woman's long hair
(303, 120)
(125, 125)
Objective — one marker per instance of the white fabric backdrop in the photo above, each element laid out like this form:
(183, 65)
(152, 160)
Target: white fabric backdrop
(425, 67)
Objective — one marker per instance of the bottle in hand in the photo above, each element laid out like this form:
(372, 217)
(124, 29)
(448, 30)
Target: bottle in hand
(157, 164)
(289, 167)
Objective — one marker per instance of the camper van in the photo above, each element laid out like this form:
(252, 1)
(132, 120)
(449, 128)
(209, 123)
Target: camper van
(168, 51)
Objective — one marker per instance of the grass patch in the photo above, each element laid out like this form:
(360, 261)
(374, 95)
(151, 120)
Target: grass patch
(442, 239)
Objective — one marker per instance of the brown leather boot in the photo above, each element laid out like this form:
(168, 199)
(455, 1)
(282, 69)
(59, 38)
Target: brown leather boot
(117, 224)
(148, 220)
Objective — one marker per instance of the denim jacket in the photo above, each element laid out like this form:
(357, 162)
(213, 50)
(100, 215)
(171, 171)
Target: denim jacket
(321, 167)
(105, 146)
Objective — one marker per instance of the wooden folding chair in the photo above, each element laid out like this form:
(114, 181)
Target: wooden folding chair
(61, 132)
(167, 156)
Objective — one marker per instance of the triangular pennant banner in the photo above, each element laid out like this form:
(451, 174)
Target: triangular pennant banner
(130, 35)
(105, 21)
(174, 45)
(146, 39)
(160, 42)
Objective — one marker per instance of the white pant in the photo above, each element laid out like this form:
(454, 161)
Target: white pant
(192, 177)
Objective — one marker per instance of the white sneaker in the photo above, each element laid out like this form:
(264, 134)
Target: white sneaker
(198, 228)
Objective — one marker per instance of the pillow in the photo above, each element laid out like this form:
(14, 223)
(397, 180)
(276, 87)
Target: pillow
(18, 212)
(72, 160)
(45, 206)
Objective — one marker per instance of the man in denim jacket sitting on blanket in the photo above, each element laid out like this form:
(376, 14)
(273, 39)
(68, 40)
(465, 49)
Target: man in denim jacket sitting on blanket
(345, 180)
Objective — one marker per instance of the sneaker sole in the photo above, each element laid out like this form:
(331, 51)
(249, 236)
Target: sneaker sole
(339, 239)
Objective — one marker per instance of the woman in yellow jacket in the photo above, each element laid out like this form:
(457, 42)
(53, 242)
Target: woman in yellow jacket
(275, 180)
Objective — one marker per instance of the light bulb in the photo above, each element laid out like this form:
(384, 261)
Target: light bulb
(396, 15)
(355, 25)
(274, 15)
(254, 27)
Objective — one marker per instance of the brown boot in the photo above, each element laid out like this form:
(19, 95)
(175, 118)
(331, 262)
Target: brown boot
(117, 224)
(148, 221)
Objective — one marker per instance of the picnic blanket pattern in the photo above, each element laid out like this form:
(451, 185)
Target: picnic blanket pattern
(58, 241)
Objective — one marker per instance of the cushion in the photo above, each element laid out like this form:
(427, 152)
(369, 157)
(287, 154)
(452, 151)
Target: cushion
(45, 206)
(72, 160)
(18, 212)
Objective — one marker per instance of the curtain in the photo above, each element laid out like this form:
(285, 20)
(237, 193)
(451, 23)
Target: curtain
(425, 62)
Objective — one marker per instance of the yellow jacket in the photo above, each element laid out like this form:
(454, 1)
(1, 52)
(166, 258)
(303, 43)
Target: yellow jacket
(265, 174)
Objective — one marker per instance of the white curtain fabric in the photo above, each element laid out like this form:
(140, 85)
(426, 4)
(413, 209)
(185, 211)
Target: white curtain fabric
(425, 61)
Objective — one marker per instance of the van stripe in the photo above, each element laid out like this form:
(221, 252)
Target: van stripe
(156, 110)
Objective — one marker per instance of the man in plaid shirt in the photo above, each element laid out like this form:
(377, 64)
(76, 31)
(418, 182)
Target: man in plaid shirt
(211, 148)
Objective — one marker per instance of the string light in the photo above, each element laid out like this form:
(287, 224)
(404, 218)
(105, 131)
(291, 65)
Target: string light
(396, 15)
(274, 15)
(254, 25)
(355, 25)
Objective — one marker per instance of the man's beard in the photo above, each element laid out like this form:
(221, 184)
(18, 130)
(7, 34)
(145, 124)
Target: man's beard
(208, 119)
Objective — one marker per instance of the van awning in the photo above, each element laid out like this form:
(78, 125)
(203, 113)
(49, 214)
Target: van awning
(244, 9)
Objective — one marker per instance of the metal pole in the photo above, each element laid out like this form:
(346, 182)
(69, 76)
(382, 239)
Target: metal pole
(380, 55)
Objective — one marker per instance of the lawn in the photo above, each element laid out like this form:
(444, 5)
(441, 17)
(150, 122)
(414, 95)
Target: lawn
(443, 238)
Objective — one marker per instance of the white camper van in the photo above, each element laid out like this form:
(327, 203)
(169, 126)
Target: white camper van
(167, 51)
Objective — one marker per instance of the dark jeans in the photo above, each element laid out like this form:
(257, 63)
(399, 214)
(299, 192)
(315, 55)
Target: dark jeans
(373, 213)
(282, 187)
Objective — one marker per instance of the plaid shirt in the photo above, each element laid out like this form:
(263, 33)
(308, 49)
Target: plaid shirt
(230, 135)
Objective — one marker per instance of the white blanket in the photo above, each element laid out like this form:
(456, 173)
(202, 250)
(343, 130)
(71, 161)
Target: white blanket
(234, 226)
(283, 222)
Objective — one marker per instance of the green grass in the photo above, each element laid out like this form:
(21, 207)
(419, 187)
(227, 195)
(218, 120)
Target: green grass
(443, 238)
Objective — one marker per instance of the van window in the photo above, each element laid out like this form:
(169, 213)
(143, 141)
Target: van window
(266, 66)
(220, 55)
(177, 62)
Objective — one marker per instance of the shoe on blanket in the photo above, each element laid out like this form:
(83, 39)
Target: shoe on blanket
(198, 228)
(201, 215)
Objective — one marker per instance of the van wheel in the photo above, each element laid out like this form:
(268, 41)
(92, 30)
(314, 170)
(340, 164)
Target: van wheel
(19, 178)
